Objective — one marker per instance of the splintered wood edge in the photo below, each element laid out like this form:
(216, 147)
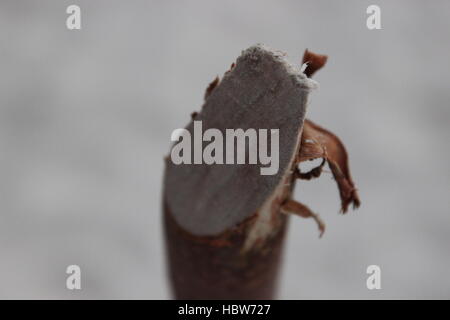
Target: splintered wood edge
(208, 200)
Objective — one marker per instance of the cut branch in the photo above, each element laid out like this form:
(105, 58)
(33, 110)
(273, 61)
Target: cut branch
(224, 225)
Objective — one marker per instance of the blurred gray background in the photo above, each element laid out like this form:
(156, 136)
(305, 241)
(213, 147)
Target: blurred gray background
(86, 118)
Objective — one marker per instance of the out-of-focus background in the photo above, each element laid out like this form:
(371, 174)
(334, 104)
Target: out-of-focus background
(86, 118)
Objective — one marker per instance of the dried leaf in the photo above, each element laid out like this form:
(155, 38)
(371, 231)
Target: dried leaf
(314, 62)
(318, 142)
(291, 206)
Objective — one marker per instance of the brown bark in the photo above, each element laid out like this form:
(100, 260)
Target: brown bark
(216, 268)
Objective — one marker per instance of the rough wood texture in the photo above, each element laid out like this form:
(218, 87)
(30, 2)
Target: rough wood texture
(263, 91)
